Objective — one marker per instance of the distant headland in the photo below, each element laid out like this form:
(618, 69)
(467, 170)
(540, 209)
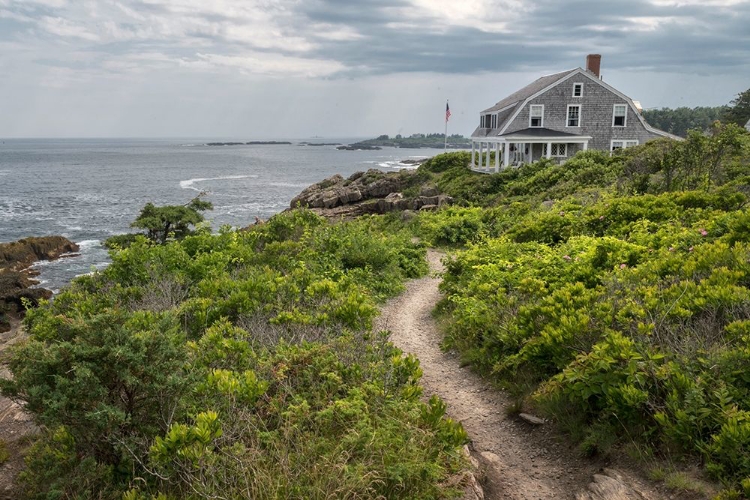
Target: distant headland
(250, 143)
(415, 141)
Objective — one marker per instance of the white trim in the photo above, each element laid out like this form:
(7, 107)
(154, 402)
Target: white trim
(626, 143)
(492, 110)
(576, 84)
(541, 125)
(614, 110)
(567, 115)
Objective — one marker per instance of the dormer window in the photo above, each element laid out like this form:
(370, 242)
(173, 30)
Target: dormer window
(536, 115)
(577, 89)
(619, 115)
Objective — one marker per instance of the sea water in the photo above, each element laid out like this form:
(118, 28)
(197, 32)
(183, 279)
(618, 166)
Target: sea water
(90, 189)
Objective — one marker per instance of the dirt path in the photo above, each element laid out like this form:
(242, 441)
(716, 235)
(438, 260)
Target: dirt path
(521, 461)
(15, 425)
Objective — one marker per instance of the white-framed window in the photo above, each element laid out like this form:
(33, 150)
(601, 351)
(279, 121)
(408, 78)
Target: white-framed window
(619, 115)
(615, 145)
(494, 121)
(577, 89)
(558, 149)
(574, 115)
(536, 115)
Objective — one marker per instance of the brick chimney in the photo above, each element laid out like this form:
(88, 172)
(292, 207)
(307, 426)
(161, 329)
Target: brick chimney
(593, 63)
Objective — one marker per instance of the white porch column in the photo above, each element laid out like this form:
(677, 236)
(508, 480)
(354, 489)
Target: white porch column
(497, 157)
(549, 150)
(473, 157)
(487, 161)
(585, 145)
(506, 160)
(479, 163)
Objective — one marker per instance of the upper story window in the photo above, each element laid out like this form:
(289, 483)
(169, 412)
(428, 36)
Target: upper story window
(485, 121)
(494, 121)
(577, 89)
(574, 116)
(619, 115)
(536, 115)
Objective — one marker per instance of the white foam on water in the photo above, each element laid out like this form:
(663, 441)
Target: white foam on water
(85, 244)
(188, 184)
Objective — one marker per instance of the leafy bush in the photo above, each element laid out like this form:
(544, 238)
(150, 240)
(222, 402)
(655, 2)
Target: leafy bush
(239, 364)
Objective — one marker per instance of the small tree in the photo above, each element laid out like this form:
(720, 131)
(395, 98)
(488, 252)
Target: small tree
(739, 112)
(160, 222)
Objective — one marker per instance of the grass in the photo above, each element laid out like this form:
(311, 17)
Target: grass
(4, 454)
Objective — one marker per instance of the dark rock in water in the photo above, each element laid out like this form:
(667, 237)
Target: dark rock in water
(249, 143)
(371, 192)
(266, 143)
(359, 147)
(22, 253)
(16, 277)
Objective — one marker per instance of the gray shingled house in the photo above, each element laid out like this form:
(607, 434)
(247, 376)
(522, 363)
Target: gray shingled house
(558, 115)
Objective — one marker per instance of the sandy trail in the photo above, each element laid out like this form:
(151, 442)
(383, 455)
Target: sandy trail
(522, 462)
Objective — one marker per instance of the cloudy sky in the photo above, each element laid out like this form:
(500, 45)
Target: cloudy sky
(342, 68)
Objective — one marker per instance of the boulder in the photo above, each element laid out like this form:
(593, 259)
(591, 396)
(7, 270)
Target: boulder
(22, 253)
(370, 192)
(15, 276)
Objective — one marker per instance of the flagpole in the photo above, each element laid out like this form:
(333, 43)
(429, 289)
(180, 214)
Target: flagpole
(445, 137)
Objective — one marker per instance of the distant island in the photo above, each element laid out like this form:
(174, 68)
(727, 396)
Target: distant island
(455, 141)
(250, 143)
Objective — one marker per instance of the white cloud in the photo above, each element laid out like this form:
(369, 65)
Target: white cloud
(266, 64)
(63, 27)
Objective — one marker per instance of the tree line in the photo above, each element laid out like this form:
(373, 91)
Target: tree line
(679, 120)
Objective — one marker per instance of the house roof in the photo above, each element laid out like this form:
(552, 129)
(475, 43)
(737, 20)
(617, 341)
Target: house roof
(529, 90)
(508, 108)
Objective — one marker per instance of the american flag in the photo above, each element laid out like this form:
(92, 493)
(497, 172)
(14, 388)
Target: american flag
(447, 111)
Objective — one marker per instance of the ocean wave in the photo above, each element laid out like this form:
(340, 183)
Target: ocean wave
(397, 165)
(188, 184)
(85, 244)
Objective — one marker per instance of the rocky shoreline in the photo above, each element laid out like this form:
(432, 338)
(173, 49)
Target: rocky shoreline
(16, 276)
(371, 192)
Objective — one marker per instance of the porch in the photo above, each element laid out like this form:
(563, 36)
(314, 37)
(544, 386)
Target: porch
(524, 146)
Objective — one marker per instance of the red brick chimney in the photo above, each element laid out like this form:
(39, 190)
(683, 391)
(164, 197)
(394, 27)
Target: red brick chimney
(593, 63)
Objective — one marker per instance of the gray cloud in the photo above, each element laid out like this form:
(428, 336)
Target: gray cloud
(324, 58)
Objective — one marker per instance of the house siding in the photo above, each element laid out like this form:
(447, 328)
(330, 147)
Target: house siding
(597, 105)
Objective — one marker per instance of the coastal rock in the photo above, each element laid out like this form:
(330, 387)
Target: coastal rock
(22, 253)
(15, 276)
(370, 192)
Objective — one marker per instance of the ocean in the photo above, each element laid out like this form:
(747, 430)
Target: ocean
(90, 189)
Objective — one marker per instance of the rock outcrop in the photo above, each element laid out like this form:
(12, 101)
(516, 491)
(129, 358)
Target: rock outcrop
(371, 192)
(21, 254)
(16, 279)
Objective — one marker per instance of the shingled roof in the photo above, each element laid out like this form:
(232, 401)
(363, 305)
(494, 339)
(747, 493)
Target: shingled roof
(529, 90)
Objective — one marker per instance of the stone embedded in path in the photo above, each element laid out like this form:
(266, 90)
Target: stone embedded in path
(610, 485)
(531, 419)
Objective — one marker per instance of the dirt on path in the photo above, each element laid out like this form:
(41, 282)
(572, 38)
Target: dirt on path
(520, 461)
(16, 426)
